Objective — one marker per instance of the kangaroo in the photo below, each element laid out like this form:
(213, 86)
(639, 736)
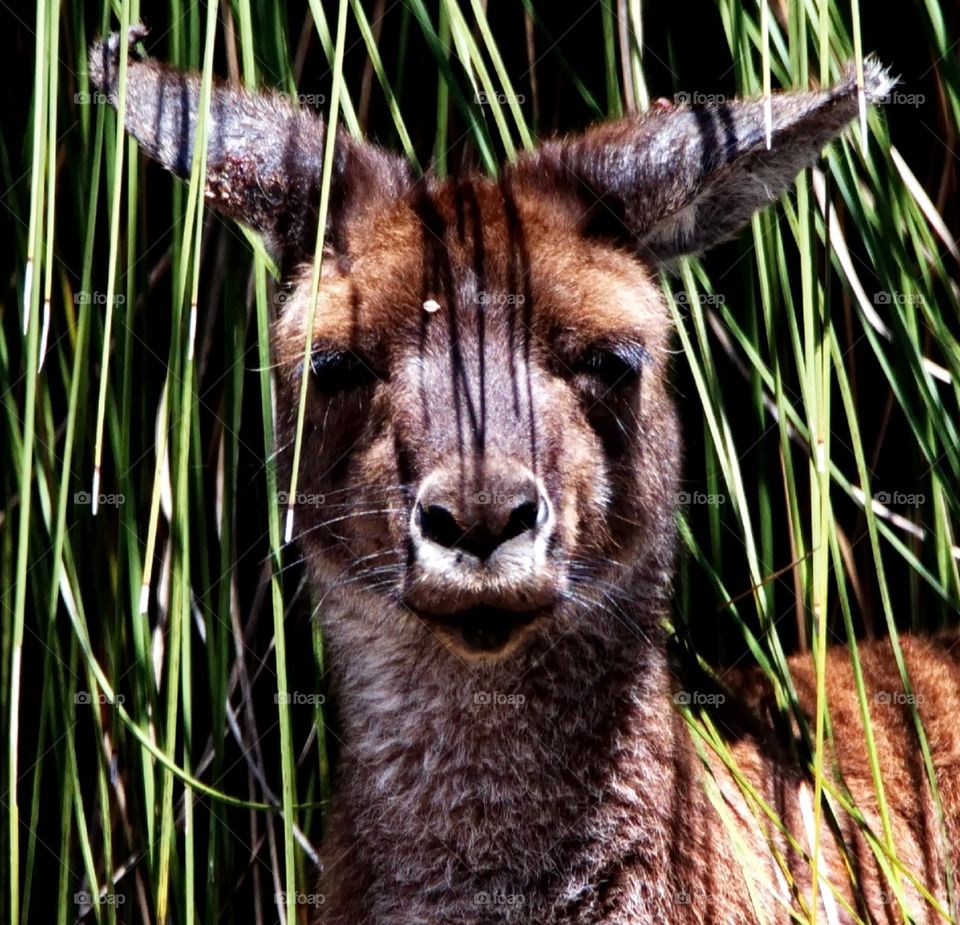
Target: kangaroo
(490, 427)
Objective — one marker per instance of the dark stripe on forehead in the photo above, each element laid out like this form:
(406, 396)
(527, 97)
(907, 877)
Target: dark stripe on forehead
(439, 283)
(518, 279)
(467, 194)
(433, 231)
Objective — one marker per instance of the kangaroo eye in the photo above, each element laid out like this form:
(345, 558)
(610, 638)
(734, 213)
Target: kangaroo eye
(614, 366)
(335, 371)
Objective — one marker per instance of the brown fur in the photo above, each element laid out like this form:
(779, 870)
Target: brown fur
(486, 507)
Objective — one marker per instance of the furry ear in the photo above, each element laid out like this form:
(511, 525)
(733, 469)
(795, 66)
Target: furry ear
(678, 180)
(264, 158)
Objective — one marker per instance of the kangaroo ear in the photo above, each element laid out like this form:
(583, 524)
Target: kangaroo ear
(264, 158)
(678, 180)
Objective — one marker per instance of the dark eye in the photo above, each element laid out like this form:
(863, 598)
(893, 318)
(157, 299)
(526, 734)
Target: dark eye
(614, 366)
(337, 371)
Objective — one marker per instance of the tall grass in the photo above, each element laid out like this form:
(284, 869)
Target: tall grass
(161, 680)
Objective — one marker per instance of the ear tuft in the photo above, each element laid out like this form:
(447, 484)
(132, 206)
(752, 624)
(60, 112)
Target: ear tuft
(104, 59)
(877, 81)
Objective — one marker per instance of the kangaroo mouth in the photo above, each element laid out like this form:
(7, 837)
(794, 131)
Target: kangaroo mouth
(483, 628)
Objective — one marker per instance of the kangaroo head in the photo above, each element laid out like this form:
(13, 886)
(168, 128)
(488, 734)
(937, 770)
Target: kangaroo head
(490, 449)
(488, 424)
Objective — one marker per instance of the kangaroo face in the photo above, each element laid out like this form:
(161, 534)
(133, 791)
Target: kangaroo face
(487, 430)
(488, 446)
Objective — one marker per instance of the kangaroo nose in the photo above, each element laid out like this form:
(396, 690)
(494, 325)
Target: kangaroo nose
(482, 521)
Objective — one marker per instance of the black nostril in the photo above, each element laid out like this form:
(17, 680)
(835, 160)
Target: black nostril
(438, 524)
(522, 518)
